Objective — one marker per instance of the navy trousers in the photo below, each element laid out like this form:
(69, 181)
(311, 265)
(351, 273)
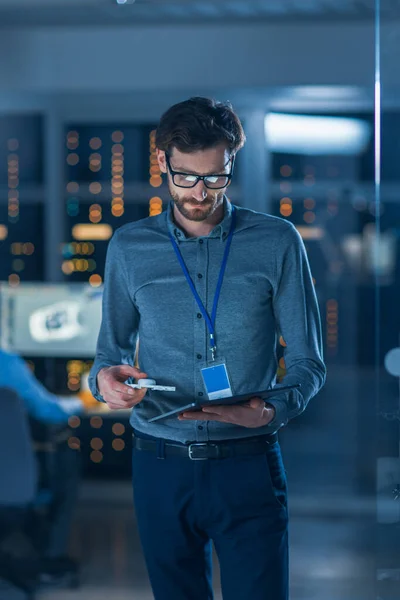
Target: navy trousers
(239, 503)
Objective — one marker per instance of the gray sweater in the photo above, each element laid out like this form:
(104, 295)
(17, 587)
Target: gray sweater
(267, 292)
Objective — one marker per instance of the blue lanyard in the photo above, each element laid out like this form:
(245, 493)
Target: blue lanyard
(210, 322)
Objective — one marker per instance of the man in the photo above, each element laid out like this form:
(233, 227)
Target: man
(59, 468)
(164, 282)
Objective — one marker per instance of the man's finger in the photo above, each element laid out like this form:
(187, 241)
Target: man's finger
(200, 416)
(256, 402)
(118, 397)
(128, 371)
(216, 410)
(229, 413)
(124, 398)
(194, 416)
(119, 407)
(120, 388)
(115, 405)
(127, 402)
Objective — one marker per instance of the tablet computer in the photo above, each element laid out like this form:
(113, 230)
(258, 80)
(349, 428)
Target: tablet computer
(241, 399)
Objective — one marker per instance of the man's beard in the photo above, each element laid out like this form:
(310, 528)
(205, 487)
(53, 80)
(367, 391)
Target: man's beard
(199, 211)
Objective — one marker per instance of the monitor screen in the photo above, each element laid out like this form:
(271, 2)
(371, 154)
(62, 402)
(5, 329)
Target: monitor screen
(50, 319)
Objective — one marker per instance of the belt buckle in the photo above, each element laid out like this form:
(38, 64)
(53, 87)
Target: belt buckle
(200, 445)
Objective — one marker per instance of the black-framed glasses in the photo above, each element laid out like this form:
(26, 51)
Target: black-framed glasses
(188, 180)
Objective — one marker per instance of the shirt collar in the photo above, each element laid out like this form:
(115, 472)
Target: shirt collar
(221, 230)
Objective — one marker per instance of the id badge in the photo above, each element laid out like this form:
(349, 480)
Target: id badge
(216, 380)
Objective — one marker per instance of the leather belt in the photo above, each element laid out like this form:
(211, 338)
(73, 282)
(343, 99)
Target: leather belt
(208, 450)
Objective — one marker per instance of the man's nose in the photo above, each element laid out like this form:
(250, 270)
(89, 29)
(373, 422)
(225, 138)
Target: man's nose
(199, 192)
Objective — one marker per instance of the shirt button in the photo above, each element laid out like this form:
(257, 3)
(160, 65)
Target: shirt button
(200, 276)
(199, 315)
(200, 394)
(199, 356)
(201, 241)
(200, 427)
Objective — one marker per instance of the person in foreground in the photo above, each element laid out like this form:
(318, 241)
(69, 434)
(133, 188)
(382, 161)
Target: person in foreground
(208, 285)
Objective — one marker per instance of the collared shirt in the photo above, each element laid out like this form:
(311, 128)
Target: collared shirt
(267, 292)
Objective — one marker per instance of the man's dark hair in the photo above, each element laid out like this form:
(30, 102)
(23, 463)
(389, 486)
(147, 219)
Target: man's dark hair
(198, 124)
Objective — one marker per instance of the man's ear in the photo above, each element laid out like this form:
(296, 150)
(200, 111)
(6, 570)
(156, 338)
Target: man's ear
(161, 160)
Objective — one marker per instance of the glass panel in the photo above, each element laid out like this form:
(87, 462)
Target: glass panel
(384, 235)
(322, 180)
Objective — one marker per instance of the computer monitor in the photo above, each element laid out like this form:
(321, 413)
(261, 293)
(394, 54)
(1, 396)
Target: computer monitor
(50, 319)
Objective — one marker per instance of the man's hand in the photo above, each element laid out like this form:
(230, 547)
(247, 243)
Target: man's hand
(254, 413)
(117, 395)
